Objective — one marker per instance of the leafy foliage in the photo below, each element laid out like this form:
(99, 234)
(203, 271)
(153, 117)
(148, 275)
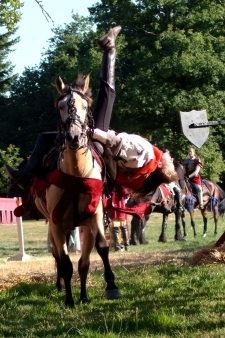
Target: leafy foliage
(170, 58)
(10, 156)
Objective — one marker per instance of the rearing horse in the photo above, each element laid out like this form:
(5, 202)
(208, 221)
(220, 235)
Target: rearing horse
(73, 196)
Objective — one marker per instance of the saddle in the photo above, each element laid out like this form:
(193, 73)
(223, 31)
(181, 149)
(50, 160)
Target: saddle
(190, 200)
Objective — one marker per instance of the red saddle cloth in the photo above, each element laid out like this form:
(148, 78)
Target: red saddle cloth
(72, 186)
(164, 190)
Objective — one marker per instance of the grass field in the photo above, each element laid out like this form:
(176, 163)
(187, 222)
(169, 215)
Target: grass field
(160, 300)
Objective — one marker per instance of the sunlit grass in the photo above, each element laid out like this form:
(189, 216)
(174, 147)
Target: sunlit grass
(158, 300)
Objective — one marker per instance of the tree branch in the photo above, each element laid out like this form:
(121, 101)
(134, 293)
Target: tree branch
(46, 15)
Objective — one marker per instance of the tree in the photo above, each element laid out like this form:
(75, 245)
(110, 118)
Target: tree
(10, 16)
(169, 58)
(33, 94)
(11, 156)
(172, 60)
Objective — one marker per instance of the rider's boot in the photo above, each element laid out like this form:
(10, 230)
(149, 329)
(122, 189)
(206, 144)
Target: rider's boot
(23, 178)
(108, 44)
(103, 109)
(125, 237)
(115, 235)
(178, 196)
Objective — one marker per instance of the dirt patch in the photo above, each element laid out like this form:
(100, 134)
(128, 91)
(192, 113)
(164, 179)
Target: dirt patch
(43, 269)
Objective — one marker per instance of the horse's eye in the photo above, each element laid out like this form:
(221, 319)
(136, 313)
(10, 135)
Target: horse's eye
(84, 107)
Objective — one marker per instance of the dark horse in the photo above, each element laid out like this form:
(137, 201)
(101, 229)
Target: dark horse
(73, 196)
(164, 202)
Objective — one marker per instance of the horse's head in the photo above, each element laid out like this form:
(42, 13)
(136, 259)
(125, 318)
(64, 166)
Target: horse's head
(75, 119)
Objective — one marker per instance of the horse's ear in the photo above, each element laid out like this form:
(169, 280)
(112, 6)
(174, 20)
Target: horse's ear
(60, 86)
(86, 83)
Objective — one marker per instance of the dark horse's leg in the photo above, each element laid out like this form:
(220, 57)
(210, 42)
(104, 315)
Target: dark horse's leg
(183, 224)
(162, 237)
(112, 291)
(178, 235)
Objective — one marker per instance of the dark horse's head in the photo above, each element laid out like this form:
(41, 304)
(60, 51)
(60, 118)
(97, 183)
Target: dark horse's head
(74, 118)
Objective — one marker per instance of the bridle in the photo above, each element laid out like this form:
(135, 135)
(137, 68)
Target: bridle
(86, 127)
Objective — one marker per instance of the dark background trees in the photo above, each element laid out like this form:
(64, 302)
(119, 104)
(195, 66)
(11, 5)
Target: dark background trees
(170, 58)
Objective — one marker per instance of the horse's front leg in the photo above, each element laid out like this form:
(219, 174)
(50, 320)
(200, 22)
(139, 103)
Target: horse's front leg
(63, 262)
(162, 237)
(102, 248)
(205, 221)
(183, 224)
(178, 235)
(193, 223)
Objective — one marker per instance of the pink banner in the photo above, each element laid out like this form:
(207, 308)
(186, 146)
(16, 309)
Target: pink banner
(7, 206)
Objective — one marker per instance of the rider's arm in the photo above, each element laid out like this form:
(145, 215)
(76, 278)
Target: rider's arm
(195, 172)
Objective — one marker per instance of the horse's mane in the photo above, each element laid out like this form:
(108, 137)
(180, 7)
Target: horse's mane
(79, 84)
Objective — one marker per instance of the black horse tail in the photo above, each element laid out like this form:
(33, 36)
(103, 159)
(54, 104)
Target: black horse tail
(221, 207)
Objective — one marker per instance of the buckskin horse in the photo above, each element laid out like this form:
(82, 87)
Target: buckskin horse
(71, 195)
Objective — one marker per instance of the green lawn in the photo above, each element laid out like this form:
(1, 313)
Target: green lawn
(164, 300)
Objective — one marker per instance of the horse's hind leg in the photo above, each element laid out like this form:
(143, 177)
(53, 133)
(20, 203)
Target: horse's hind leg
(205, 221)
(112, 291)
(215, 215)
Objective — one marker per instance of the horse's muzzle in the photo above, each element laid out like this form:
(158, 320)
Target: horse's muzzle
(73, 142)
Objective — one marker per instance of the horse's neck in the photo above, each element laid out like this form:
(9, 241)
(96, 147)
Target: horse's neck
(77, 163)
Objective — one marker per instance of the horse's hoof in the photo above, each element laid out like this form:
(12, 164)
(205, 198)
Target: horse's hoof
(112, 294)
(204, 235)
(162, 240)
(69, 303)
(85, 301)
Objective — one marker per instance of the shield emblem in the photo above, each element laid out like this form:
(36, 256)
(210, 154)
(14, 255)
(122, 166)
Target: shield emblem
(196, 136)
